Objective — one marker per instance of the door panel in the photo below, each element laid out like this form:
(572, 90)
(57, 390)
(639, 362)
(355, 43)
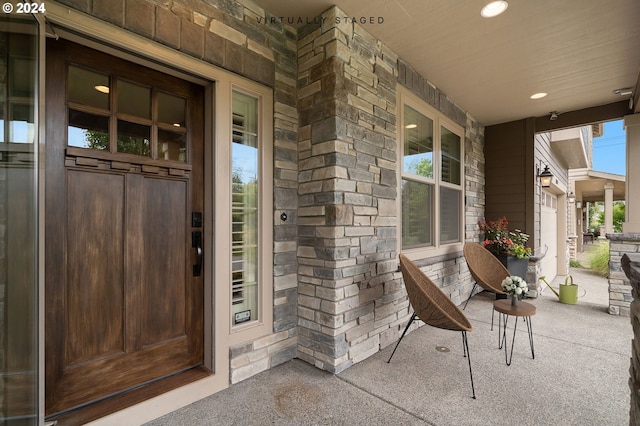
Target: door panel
(94, 266)
(164, 221)
(123, 307)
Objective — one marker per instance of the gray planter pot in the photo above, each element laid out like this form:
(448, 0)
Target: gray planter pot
(517, 267)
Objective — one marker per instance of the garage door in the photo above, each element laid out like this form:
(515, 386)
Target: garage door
(549, 235)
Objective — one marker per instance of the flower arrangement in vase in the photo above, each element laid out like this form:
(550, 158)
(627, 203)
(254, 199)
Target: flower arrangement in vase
(516, 287)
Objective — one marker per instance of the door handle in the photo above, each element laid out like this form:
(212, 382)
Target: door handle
(196, 242)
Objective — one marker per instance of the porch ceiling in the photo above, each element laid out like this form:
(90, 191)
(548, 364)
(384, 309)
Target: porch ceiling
(590, 186)
(569, 147)
(577, 51)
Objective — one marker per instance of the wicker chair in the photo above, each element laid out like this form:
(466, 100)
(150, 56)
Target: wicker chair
(433, 307)
(486, 270)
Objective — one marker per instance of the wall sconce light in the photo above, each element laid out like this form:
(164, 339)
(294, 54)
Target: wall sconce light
(578, 204)
(545, 177)
(571, 197)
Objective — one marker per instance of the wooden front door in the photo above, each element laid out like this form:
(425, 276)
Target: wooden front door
(124, 177)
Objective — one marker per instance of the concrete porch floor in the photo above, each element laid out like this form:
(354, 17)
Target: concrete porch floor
(579, 376)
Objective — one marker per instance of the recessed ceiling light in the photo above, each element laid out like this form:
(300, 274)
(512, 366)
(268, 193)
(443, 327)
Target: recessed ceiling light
(494, 8)
(539, 95)
(102, 89)
(410, 126)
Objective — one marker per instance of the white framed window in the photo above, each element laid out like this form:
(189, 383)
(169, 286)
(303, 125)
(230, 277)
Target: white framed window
(431, 181)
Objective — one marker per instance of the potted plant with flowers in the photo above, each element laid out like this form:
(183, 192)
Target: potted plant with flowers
(508, 246)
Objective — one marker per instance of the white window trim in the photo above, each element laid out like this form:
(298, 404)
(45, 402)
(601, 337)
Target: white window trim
(405, 97)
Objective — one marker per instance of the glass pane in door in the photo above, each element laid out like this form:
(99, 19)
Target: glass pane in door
(134, 99)
(88, 130)
(88, 87)
(134, 138)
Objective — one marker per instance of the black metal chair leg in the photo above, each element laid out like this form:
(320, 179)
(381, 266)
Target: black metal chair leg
(470, 295)
(492, 312)
(465, 343)
(501, 333)
(413, 317)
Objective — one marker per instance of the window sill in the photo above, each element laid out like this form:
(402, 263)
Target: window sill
(415, 254)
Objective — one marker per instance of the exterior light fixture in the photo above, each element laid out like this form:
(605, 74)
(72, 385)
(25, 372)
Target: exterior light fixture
(554, 115)
(571, 197)
(545, 177)
(625, 91)
(494, 8)
(578, 204)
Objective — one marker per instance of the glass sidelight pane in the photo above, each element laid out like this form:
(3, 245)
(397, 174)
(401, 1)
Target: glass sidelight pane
(88, 130)
(134, 99)
(88, 87)
(1, 119)
(21, 127)
(18, 222)
(172, 146)
(244, 210)
(134, 138)
(21, 76)
(417, 214)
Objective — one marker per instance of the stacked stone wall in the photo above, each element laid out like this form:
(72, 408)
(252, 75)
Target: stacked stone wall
(348, 292)
(243, 38)
(620, 289)
(351, 299)
(630, 263)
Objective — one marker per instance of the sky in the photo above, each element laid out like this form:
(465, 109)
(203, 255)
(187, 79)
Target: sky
(609, 150)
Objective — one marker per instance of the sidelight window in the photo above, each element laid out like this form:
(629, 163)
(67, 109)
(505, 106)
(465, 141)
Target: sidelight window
(245, 153)
(19, 207)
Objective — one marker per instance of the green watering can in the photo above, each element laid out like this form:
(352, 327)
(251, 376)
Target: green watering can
(568, 292)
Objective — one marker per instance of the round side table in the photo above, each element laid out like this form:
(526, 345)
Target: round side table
(504, 309)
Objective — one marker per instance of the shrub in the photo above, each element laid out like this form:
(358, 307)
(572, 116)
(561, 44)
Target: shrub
(575, 263)
(599, 259)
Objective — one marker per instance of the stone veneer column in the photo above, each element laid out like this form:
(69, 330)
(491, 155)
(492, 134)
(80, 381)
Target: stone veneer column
(620, 290)
(632, 196)
(349, 292)
(631, 267)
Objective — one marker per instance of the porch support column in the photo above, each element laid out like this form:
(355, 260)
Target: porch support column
(632, 196)
(608, 208)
